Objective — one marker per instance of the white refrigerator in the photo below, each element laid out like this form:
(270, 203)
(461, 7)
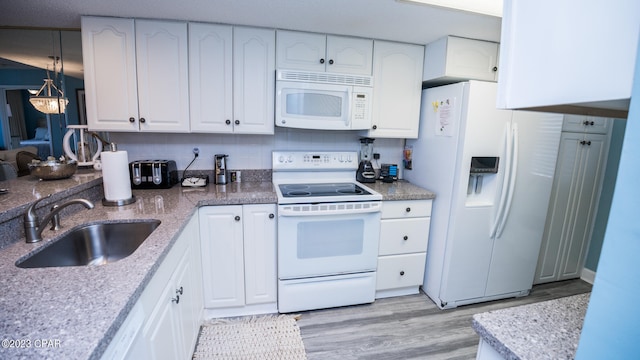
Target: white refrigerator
(492, 172)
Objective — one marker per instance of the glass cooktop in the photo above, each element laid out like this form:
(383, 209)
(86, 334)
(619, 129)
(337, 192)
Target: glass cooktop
(327, 189)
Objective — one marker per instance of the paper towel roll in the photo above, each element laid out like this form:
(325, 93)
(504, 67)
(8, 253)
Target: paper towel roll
(115, 175)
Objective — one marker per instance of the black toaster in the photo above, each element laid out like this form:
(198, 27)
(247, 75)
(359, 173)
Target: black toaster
(153, 174)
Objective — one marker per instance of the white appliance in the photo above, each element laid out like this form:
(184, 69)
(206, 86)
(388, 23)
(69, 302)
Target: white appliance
(328, 231)
(492, 172)
(323, 101)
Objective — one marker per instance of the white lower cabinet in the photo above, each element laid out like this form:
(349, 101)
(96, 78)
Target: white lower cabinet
(239, 259)
(574, 202)
(165, 321)
(402, 253)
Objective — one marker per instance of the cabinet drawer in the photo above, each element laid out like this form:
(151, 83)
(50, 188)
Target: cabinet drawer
(400, 271)
(406, 209)
(586, 124)
(402, 236)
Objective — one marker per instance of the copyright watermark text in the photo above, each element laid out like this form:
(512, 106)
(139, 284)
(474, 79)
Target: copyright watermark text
(29, 343)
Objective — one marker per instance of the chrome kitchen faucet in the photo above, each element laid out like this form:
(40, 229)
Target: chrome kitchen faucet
(33, 230)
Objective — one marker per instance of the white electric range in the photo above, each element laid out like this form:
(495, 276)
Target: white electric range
(328, 231)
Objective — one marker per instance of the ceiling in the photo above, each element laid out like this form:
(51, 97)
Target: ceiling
(378, 19)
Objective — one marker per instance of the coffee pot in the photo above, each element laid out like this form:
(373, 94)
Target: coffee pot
(221, 172)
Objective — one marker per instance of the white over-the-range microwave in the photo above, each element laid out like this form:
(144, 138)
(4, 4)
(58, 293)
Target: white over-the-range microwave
(323, 101)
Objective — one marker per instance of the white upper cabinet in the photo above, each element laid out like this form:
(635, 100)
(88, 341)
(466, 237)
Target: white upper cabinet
(454, 59)
(397, 89)
(254, 57)
(136, 74)
(562, 57)
(210, 77)
(109, 59)
(232, 79)
(163, 75)
(320, 53)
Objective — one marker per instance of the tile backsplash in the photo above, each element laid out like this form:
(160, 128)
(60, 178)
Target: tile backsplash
(247, 151)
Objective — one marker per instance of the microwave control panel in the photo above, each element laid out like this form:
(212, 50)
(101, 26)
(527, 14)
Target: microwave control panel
(360, 109)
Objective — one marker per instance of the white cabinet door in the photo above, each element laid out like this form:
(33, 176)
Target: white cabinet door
(222, 255)
(253, 80)
(163, 75)
(301, 51)
(548, 58)
(165, 342)
(183, 306)
(574, 197)
(136, 77)
(349, 55)
(238, 256)
(586, 124)
(453, 58)
(397, 73)
(188, 285)
(319, 52)
(165, 321)
(109, 58)
(259, 224)
(211, 77)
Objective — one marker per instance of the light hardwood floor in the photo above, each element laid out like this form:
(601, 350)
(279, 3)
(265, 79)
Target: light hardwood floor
(408, 327)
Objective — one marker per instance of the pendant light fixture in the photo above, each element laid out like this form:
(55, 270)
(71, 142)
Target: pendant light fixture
(50, 102)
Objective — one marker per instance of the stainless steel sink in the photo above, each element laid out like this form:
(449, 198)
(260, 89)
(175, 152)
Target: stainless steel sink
(92, 244)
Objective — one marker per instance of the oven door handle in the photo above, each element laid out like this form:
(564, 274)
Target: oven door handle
(329, 209)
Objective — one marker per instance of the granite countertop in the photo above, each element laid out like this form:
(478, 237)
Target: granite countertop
(79, 309)
(57, 304)
(27, 189)
(545, 330)
(401, 190)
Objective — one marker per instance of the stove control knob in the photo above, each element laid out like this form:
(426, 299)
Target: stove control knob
(290, 159)
(281, 158)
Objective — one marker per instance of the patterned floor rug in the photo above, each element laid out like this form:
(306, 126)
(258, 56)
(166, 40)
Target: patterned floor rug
(274, 337)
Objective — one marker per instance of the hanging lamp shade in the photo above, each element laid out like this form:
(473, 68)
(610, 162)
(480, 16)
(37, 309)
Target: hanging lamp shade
(49, 104)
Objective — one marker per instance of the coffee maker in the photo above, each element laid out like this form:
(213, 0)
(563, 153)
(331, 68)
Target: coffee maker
(365, 172)
(221, 173)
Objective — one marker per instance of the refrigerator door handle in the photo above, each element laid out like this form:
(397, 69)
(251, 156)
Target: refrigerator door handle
(505, 181)
(512, 179)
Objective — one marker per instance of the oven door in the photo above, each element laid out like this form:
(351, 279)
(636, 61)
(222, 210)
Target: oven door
(327, 239)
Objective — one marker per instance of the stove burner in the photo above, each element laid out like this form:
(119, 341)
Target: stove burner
(298, 193)
(353, 191)
(322, 190)
(295, 186)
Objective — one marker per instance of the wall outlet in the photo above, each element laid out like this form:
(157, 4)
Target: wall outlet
(376, 156)
(196, 151)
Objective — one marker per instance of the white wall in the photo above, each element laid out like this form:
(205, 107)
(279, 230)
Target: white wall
(247, 151)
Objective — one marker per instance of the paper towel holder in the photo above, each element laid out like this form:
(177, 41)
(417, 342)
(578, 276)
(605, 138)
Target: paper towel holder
(121, 202)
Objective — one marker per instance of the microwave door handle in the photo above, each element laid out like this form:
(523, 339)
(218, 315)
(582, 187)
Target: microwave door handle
(347, 121)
